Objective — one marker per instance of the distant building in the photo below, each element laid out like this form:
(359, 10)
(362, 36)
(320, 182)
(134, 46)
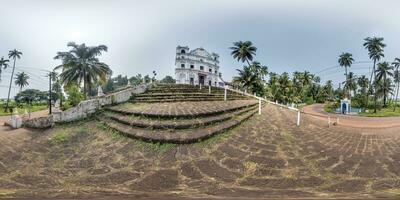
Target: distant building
(197, 67)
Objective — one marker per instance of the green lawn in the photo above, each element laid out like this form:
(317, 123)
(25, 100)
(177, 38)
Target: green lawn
(384, 112)
(22, 110)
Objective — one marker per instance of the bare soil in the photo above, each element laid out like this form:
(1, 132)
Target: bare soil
(267, 156)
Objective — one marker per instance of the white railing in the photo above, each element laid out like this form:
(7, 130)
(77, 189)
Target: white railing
(260, 99)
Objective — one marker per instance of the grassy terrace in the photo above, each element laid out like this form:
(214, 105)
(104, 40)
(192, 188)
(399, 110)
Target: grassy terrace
(22, 109)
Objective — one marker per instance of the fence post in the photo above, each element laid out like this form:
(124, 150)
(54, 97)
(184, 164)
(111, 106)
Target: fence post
(200, 86)
(225, 95)
(337, 120)
(298, 118)
(209, 89)
(259, 106)
(329, 121)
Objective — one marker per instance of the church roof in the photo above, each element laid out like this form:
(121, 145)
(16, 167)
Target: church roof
(201, 52)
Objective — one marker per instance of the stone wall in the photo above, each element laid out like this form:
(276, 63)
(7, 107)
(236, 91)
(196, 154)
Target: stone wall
(85, 108)
(39, 122)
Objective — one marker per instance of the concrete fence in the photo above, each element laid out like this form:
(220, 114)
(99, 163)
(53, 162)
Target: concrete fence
(85, 108)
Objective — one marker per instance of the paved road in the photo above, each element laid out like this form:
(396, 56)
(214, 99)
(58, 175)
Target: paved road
(317, 110)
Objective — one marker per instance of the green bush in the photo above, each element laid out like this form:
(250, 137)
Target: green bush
(309, 100)
(75, 96)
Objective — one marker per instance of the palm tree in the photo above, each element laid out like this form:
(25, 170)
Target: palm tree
(363, 82)
(21, 80)
(396, 65)
(351, 83)
(14, 54)
(345, 60)
(246, 77)
(382, 73)
(3, 64)
(243, 51)
(80, 64)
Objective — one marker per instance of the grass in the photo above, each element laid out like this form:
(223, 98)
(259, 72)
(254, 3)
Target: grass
(384, 112)
(34, 108)
(59, 138)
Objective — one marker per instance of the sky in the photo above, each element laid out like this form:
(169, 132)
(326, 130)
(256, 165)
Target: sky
(142, 35)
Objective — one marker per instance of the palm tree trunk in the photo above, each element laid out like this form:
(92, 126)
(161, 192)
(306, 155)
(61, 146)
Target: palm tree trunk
(397, 95)
(84, 84)
(370, 82)
(9, 89)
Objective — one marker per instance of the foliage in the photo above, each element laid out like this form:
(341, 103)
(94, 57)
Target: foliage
(75, 96)
(59, 138)
(3, 65)
(168, 79)
(21, 79)
(31, 95)
(81, 65)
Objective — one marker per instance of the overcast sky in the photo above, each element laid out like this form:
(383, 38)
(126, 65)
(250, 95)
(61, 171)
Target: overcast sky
(142, 35)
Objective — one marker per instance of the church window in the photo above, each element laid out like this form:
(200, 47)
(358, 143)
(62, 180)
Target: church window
(182, 65)
(216, 71)
(201, 67)
(191, 66)
(183, 51)
(210, 70)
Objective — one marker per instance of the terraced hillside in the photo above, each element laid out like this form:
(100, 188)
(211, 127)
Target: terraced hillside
(182, 92)
(179, 114)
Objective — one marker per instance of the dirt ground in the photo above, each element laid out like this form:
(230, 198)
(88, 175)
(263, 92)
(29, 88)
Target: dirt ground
(267, 156)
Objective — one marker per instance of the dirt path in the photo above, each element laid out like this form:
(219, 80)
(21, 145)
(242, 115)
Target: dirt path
(317, 111)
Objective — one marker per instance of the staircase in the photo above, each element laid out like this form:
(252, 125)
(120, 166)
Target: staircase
(182, 92)
(179, 114)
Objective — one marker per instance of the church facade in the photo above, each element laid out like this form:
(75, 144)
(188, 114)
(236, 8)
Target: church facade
(197, 67)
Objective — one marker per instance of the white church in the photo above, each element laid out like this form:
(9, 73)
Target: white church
(197, 67)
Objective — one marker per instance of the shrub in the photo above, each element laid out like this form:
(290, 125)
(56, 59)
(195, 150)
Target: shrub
(75, 96)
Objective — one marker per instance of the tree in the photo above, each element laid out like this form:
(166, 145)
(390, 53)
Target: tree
(168, 79)
(351, 83)
(375, 47)
(14, 54)
(396, 65)
(81, 65)
(21, 80)
(246, 77)
(363, 83)
(75, 96)
(243, 51)
(382, 76)
(3, 65)
(345, 60)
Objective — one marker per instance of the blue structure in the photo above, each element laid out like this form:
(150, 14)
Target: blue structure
(345, 106)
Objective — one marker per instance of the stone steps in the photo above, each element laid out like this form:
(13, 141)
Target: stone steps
(155, 114)
(180, 100)
(185, 94)
(179, 136)
(175, 124)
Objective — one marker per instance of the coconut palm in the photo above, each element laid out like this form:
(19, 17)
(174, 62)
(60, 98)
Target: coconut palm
(243, 51)
(21, 80)
(351, 83)
(81, 65)
(246, 77)
(375, 47)
(382, 76)
(396, 65)
(3, 64)
(345, 60)
(363, 83)
(14, 54)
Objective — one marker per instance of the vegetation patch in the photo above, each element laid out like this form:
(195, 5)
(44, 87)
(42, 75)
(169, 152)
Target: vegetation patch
(384, 112)
(59, 138)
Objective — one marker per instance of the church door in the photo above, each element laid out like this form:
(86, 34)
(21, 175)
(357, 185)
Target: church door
(201, 79)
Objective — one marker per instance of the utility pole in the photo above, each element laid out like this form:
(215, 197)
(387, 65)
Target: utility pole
(50, 77)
